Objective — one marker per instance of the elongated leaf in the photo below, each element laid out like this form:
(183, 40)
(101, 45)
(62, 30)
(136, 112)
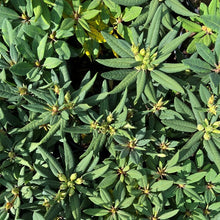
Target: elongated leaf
(33, 31)
(21, 69)
(116, 74)
(151, 12)
(36, 123)
(83, 129)
(6, 12)
(213, 152)
(191, 146)
(166, 81)
(180, 125)
(121, 104)
(197, 65)
(119, 62)
(181, 107)
(52, 62)
(195, 177)
(169, 214)
(108, 180)
(38, 216)
(84, 163)
(129, 2)
(178, 8)
(121, 47)
(128, 80)
(41, 47)
(8, 32)
(161, 185)
(149, 90)
(172, 45)
(153, 31)
(53, 211)
(96, 212)
(131, 13)
(89, 14)
(7, 91)
(206, 53)
(172, 67)
(69, 159)
(96, 173)
(189, 25)
(51, 160)
(192, 194)
(140, 85)
(212, 21)
(51, 132)
(74, 202)
(200, 116)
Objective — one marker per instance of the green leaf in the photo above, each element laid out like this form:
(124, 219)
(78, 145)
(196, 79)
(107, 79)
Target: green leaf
(121, 47)
(105, 196)
(8, 32)
(173, 44)
(206, 53)
(169, 214)
(74, 202)
(7, 91)
(126, 202)
(52, 62)
(116, 74)
(108, 181)
(38, 8)
(96, 173)
(196, 177)
(213, 152)
(51, 160)
(149, 90)
(96, 212)
(191, 146)
(180, 125)
(197, 65)
(178, 8)
(37, 216)
(84, 163)
(140, 85)
(119, 62)
(172, 67)
(128, 80)
(6, 12)
(62, 49)
(161, 185)
(153, 31)
(192, 194)
(182, 108)
(189, 25)
(200, 116)
(53, 211)
(42, 47)
(82, 129)
(129, 2)
(33, 31)
(51, 132)
(166, 81)
(212, 21)
(36, 123)
(84, 24)
(121, 104)
(89, 14)
(131, 13)
(21, 69)
(69, 159)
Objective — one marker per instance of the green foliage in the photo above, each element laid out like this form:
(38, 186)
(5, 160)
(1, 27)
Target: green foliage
(136, 136)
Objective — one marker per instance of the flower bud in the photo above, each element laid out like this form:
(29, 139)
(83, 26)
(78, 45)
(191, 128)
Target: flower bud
(73, 176)
(79, 181)
(200, 127)
(67, 97)
(142, 52)
(63, 186)
(15, 191)
(62, 177)
(110, 118)
(206, 136)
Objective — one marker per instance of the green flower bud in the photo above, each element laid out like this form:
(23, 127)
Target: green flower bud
(110, 118)
(142, 52)
(138, 57)
(200, 127)
(15, 191)
(73, 176)
(63, 186)
(71, 191)
(79, 181)
(62, 177)
(206, 136)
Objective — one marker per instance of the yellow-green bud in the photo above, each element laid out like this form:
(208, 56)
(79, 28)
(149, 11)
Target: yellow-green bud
(216, 124)
(110, 118)
(79, 181)
(15, 191)
(71, 184)
(73, 176)
(134, 49)
(62, 177)
(209, 129)
(11, 155)
(207, 136)
(138, 57)
(142, 52)
(67, 97)
(63, 186)
(71, 191)
(56, 89)
(200, 127)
